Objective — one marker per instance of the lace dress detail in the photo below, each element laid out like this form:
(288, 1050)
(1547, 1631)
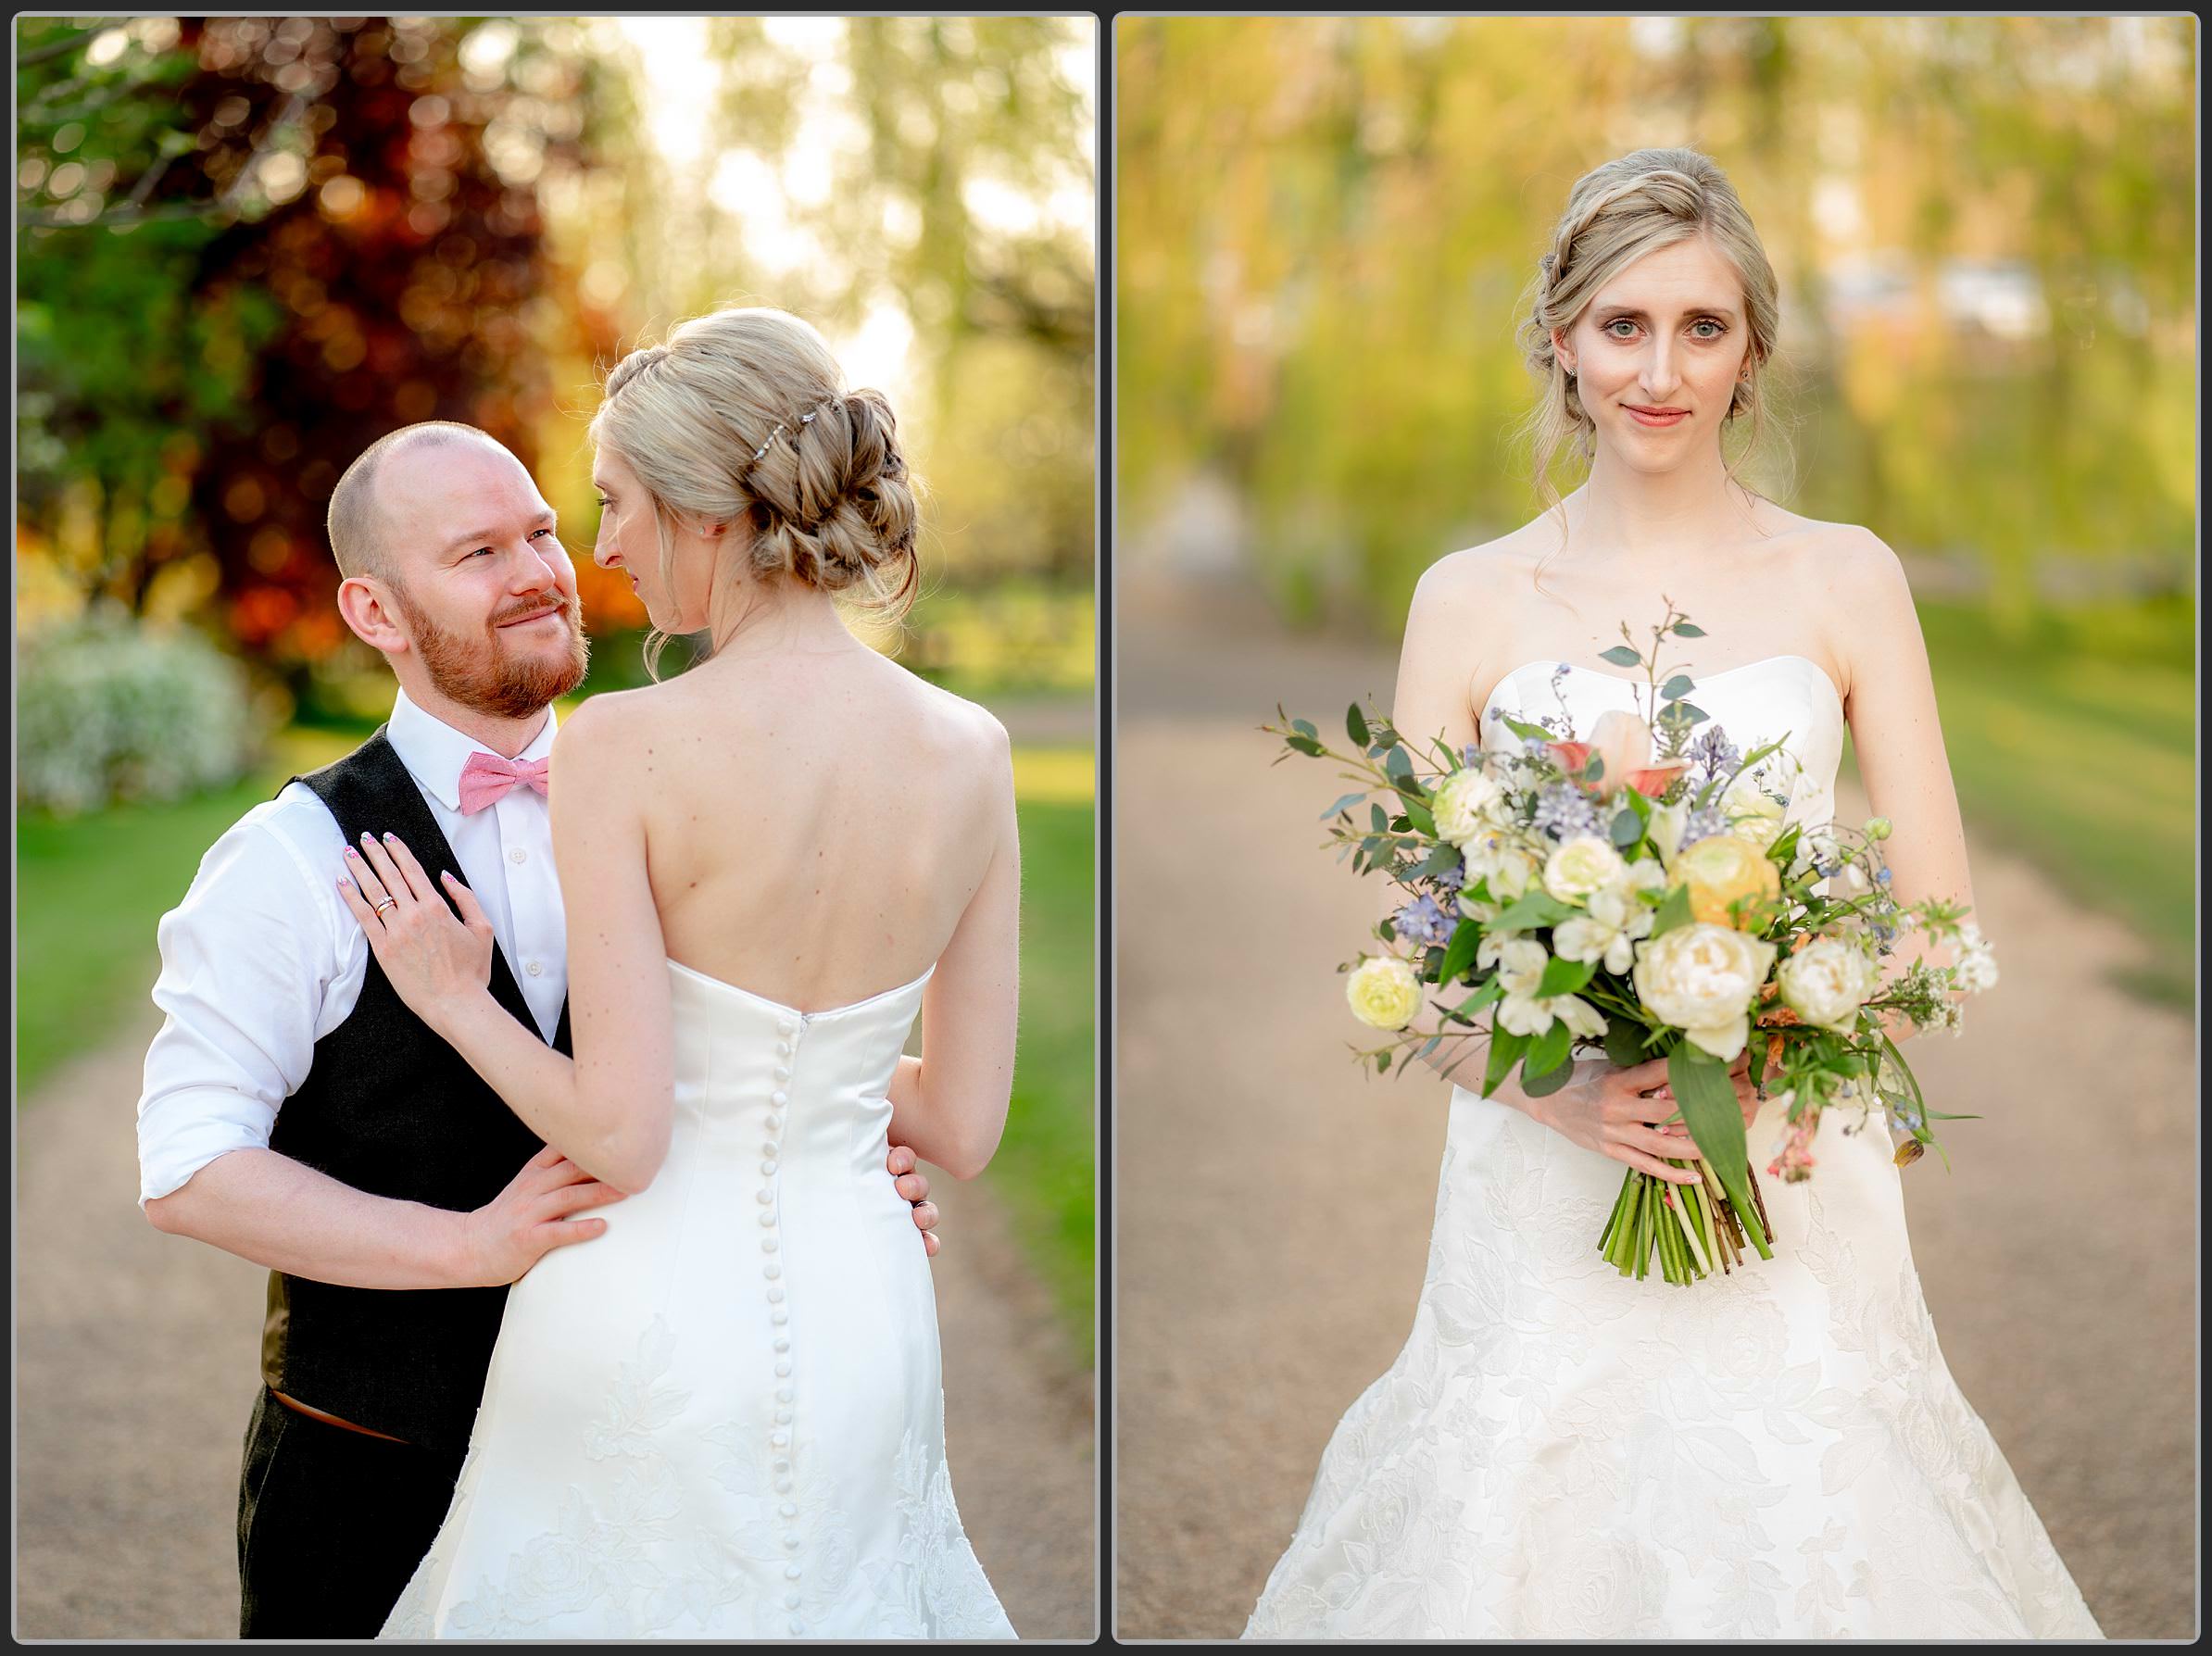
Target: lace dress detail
(722, 1419)
(1558, 1452)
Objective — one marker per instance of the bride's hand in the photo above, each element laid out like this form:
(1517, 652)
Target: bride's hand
(436, 963)
(1607, 1111)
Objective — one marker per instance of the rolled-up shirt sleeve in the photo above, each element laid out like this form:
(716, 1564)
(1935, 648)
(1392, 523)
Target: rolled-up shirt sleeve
(249, 960)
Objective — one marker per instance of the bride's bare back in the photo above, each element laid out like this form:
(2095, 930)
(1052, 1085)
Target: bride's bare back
(818, 820)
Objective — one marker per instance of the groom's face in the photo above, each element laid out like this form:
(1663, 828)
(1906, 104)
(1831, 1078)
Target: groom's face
(484, 590)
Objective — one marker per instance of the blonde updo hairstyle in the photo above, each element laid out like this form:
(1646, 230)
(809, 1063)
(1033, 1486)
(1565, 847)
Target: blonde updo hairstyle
(742, 416)
(1616, 214)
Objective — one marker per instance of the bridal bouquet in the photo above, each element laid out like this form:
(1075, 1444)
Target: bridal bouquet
(1637, 888)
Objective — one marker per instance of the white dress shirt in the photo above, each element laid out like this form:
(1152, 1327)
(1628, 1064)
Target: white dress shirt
(262, 959)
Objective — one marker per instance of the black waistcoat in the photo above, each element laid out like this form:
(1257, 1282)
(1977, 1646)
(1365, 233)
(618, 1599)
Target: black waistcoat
(390, 1108)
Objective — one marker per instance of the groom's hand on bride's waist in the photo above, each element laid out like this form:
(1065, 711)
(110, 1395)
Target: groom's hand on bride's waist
(543, 1207)
(913, 1185)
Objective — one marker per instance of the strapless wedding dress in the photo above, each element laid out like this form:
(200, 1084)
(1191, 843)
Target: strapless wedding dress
(722, 1418)
(1559, 1452)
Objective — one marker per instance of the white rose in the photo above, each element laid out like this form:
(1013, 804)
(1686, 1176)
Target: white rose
(1464, 804)
(1701, 978)
(1582, 866)
(1826, 981)
(1753, 812)
(1385, 992)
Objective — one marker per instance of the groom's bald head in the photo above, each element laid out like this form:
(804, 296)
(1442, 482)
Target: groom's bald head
(358, 523)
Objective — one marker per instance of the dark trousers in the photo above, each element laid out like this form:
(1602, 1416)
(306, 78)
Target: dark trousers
(331, 1525)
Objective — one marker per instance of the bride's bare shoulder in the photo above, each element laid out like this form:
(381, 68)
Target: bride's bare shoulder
(1844, 564)
(1489, 571)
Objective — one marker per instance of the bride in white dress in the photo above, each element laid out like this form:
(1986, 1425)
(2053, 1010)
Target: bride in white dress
(722, 1418)
(1559, 1451)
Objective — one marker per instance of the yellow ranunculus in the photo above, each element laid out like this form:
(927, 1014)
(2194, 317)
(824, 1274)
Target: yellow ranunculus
(1723, 869)
(1384, 991)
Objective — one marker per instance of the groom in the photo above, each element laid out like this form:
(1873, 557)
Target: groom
(298, 1114)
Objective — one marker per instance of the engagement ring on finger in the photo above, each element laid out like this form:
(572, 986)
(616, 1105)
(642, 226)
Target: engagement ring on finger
(389, 902)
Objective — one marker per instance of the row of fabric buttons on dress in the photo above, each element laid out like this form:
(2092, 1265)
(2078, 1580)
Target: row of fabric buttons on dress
(779, 1317)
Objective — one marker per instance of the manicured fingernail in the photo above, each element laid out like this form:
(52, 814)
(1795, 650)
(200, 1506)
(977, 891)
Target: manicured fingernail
(390, 839)
(351, 852)
(344, 883)
(443, 874)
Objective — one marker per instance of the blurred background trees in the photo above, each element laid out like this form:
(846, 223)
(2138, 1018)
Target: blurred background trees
(249, 246)
(1984, 228)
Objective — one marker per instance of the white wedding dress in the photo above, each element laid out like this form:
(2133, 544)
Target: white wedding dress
(722, 1418)
(1559, 1452)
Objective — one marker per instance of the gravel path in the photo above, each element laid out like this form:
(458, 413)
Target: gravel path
(1274, 1207)
(136, 1357)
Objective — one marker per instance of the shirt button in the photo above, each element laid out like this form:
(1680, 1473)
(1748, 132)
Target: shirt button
(790, 1509)
(532, 968)
(771, 1272)
(798, 1627)
(518, 855)
(783, 1393)
(765, 1197)
(779, 1316)
(792, 1542)
(783, 1368)
(767, 1244)
(783, 1344)
(779, 1097)
(791, 1600)
(768, 1218)
(782, 1486)
(779, 1438)
(782, 1072)
(784, 1027)
(775, 1296)
(790, 1571)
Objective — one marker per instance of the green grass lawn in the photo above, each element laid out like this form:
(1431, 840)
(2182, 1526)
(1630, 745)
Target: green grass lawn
(1046, 1171)
(90, 891)
(2075, 744)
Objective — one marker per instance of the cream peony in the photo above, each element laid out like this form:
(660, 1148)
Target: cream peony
(1826, 981)
(1465, 804)
(1525, 1015)
(1701, 978)
(1384, 991)
(1582, 867)
(1520, 962)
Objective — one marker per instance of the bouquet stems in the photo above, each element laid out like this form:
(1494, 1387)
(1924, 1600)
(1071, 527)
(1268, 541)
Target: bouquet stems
(1692, 1228)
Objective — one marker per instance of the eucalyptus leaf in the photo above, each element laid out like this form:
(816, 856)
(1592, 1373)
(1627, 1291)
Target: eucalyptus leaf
(1627, 828)
(1345, 804)
(1305, 744)
(1355, 725)
(1529, 732)
(1689, 630)
(1418, 816)
(1464, 1011)
(1675, 688)
(1304, 727)
(1620, 655)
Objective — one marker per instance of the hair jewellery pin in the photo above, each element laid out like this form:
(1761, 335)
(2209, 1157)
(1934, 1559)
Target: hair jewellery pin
(780, 429)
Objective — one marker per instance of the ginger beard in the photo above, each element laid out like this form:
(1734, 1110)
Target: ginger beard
(498, 676)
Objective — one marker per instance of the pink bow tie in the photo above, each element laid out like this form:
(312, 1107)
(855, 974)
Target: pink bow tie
(486, 778)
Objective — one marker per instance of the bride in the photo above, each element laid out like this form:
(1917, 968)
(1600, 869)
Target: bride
(724, 1419)
(1558, 1451)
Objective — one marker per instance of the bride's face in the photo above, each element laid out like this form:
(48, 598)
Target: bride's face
(1657, 353)
(630, 541)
